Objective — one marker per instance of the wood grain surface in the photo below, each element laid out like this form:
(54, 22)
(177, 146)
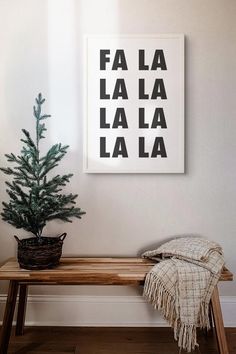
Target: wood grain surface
(84, 270)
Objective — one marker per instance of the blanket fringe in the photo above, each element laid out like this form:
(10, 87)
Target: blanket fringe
(186, 334)
(204, 316)
(154, 291)
(187, 337)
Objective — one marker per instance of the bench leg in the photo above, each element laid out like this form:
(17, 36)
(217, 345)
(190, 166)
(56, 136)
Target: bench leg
(218, 321)
(8, 316)
(20, 321)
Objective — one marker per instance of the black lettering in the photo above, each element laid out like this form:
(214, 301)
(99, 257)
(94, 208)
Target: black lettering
(142, 94)
(142, 65)
(103, 152)
(159, 90)
(120, 119)
(120, 90)
(159, 60)
(159, 119)
(103, 123)
(142, 152)
(103, 94)
(142, 124)
(119, 60)
(120, 148)
(159, 148)
(104, 58)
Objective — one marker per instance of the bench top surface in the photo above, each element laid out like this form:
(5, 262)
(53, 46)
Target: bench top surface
(83, 270)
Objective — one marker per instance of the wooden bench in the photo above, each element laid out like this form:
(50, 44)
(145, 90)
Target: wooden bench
(86, 271)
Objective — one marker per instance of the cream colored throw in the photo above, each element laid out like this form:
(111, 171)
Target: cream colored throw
(181, 284)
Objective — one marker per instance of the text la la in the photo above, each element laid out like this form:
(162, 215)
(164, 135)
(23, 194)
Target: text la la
(119, 91)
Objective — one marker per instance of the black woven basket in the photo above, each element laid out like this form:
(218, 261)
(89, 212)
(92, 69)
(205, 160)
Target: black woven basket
(39, 253)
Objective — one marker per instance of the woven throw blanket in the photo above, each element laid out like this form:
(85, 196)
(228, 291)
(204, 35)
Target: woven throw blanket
(181, 284)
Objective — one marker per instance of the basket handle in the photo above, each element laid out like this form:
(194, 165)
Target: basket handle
(62, 236)
(17, 239)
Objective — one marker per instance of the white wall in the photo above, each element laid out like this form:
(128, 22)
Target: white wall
(41, 49)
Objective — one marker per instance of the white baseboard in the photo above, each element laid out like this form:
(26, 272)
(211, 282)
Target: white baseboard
(112, 311)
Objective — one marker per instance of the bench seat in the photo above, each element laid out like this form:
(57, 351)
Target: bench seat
(86, 271)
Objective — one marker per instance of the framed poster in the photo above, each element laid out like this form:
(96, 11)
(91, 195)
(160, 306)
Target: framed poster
(134, 104)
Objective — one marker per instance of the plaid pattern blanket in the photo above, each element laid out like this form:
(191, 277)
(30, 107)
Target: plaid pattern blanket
(182, 282)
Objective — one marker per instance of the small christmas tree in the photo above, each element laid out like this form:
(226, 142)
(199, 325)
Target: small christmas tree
(36, 198)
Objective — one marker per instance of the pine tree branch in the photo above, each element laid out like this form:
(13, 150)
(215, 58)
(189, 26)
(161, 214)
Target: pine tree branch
(54, 155)
(40, 128)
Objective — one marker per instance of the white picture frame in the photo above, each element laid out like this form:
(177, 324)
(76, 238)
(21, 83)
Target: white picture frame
(134, 104)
